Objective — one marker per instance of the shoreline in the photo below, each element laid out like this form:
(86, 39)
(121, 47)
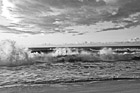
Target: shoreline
(114, 86)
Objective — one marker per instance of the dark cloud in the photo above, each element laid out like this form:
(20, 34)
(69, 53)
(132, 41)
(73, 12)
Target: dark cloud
(54, 16)
(128, 25)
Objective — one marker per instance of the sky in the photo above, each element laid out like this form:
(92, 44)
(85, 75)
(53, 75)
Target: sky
(33, 22)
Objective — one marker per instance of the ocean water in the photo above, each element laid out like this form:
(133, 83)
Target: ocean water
(19, 66)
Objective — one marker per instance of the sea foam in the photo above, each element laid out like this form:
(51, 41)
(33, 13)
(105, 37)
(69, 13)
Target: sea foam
(13, 55)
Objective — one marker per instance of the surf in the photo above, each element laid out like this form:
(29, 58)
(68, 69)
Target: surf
(11, 54)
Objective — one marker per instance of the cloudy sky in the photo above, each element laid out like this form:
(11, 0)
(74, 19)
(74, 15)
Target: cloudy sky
(31, 22)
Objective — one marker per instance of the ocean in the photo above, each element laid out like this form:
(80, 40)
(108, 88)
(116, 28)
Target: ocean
(26, 67)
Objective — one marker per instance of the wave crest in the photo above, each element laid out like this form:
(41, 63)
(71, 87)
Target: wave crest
(12, 54)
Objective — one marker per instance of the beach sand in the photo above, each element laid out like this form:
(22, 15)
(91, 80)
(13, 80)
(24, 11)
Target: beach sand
(126, 86)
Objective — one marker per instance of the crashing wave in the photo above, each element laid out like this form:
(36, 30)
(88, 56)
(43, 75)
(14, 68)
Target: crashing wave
(13, 55)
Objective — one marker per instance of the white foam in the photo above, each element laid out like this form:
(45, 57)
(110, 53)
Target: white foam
(11, 54)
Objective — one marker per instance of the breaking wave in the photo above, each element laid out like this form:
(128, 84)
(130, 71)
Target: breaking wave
(14, 55)
(11, 54)
(105, 54)
(63, 65)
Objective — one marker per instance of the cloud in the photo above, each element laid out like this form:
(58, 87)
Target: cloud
(5, 29)
(54, 16)
(108, 1)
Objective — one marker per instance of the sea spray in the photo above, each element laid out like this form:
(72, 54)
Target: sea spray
(13, 55)
(76, 55)
(64, 51)
(75, 65)
(106, 51)
(105, 54)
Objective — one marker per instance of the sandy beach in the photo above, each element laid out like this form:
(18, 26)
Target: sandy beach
(126, 86)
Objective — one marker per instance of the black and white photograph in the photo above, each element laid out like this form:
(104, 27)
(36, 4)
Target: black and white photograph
(69, 46)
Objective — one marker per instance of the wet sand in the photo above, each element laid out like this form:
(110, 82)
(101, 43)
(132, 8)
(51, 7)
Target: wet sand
(126, 86)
